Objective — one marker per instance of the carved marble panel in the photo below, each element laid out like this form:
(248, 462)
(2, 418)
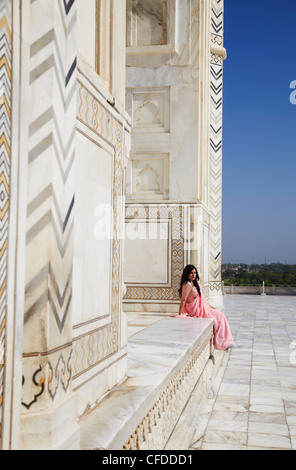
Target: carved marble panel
(148, 177)
(150, 109)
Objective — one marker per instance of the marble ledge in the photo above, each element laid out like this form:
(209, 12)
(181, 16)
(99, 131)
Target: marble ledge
(155, 355)
(150, 49)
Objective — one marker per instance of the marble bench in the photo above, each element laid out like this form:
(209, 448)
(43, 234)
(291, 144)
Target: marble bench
(170, 368)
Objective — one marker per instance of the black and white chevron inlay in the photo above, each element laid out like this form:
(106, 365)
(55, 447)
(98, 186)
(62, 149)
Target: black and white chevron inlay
(216, 87)
(51, 159)
(68, 5)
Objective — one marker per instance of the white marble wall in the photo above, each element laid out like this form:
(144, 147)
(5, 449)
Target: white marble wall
(49, 126)
(65, 334)
(99, 325)
(168, 97)
(71, 138)
(102, 147)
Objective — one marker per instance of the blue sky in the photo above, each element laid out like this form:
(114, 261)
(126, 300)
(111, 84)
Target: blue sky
(259, 132)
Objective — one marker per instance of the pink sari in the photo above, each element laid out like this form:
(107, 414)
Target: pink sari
(200, 308)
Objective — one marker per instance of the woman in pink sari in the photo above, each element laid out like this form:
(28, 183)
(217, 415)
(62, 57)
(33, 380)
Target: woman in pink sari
(194, 305)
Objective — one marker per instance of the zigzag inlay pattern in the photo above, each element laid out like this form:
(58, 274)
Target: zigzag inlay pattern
(217, 17)
(5, 156)
(91, 349)
(51, 197)
(216, 86)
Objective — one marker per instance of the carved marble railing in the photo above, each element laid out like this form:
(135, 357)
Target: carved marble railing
(156, 428)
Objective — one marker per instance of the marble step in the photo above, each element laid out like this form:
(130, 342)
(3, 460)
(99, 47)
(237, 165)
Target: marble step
(165, 363)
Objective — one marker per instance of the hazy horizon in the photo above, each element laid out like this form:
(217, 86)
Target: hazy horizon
(260, 264)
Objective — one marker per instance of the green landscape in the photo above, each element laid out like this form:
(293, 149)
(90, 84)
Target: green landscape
(275, 274)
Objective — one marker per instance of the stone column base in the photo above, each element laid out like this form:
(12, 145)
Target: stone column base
(55, 429)
(216, 298)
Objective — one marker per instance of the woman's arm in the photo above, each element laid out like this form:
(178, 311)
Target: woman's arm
(182, 305)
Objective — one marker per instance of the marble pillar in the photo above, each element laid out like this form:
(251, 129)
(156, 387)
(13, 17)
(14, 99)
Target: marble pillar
(102, 149)
(49, 419)
(174, 95)
(65, 140)
(217, 56)
(5, 200)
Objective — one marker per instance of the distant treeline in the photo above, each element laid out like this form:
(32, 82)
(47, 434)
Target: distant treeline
(275, 274)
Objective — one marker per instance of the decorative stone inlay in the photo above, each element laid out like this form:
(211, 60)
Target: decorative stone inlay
(5, 169)
(215, 286)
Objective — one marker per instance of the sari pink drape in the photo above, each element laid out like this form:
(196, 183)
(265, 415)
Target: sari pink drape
(200, 308)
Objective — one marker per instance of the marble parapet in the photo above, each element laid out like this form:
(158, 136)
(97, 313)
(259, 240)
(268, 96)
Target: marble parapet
(165, 362)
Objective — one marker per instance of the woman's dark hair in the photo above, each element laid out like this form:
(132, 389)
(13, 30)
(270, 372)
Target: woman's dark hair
(185, 278)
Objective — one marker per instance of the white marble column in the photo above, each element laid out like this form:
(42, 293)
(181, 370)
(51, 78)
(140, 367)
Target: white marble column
(217, 56)
(49, 418)
(10, 321)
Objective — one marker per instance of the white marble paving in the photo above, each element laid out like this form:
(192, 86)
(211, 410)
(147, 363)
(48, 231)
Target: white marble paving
(255, 403)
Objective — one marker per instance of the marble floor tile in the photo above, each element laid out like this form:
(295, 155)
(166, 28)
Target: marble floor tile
(231, 407)
(255, 406)
(267, 409)
(237, 381)
(254, 400)
(266, 392)
(261, 417)
(269, 441)
(214, 436)
(233, 416)
(270, 384)
(291, 420)
(232, 399)
(262, 368)
(269, 428)
(232, 373)
(234, 389)
(288, 395)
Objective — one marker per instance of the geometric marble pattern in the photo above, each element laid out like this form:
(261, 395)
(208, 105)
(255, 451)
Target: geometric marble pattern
(5, 155)
(94, 347)
(216, 74)
(91, 349)
(51, 199)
